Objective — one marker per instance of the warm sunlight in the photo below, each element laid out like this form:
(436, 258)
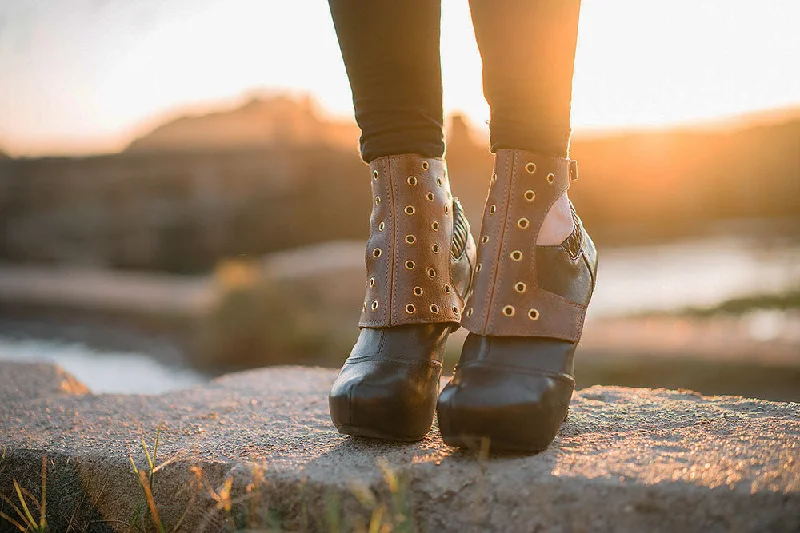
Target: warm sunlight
(81, 76)
(226, 307)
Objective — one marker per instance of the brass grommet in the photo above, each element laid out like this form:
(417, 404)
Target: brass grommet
(371, 282)
(381, 226)
(377, 252)
(410, 239)
(375, 305)
(377, 200)
(447, 289)
(374, 174)
(412, 180)
(435, 248)
(418, 291)
(425, 165)
(530, 167)
(410, 308)
(533, 314)
(523, 223)
(430, 196)
(434, 308)
(432, 272)
(469, 312)
(520, 287)
(439, 182)
(446, 209)
(516, 255)
(551, 178)
(410, 264)
(492, 209)
(435, 225)
(364, 306)
(478, 267)
(455, 309)
(529, 195)
(485, 239)
(509, 310)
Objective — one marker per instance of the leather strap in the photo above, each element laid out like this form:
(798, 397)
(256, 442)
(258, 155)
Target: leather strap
(409, 249)
(507, 299)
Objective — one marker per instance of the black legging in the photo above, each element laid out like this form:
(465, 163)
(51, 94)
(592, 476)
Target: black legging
(391, 53)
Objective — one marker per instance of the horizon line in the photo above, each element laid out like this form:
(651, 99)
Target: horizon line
(147, 125)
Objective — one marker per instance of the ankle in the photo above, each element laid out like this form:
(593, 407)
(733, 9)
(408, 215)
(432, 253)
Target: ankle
(558, 223)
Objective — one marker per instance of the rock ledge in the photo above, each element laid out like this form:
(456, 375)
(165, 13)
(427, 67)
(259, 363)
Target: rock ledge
(257, 450)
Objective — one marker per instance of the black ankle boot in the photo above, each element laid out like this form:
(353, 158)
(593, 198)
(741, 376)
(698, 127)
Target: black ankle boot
(514, 380)
(420, 259)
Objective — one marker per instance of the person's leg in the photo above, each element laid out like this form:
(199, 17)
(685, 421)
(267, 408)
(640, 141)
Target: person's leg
(536, 264)
(420, 253)
(391, 53)
(528, 53)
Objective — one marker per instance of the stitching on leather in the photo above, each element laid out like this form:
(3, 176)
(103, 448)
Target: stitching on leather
(571, 334)
(511, 166)
(531, 269)
(427, 320)
(376, 269)
(566, 322)
(367, 358)
(393, 238)
(400, 167)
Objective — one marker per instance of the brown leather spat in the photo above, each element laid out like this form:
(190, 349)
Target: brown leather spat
(507, 299)
(410, 279)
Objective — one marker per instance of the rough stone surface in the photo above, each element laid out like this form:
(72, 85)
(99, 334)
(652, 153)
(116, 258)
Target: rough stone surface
(626, 460)
(24, 381)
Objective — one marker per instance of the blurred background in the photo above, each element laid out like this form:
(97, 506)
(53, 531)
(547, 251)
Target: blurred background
(181, 193)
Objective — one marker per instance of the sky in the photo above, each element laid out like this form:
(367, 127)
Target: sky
(87, 76)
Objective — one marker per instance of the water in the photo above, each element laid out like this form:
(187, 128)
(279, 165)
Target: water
(694, 273)
(103, 371)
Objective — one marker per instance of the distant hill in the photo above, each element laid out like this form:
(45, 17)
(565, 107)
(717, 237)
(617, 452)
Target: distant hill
(273, 174)
(273, 121)
(4, 155)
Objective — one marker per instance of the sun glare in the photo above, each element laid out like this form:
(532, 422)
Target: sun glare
(80, 78)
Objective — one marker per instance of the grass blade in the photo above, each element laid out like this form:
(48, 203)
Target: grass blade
(11, 504)
(43, 506)
(13, 522)
(155, 446)
(150, 502)
(28, 514)
(135, 470)
(376, 520)
(147, 454)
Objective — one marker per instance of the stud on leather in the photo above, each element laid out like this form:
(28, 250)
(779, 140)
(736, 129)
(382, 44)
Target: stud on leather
(389, 384)
(514, 380)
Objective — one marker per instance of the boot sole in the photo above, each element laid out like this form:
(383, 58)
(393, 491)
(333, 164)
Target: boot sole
(474, 441)
(372, 433)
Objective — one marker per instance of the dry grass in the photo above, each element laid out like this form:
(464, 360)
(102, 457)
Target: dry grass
(24, 519)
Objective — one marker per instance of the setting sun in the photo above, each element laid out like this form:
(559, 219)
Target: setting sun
(82, 77)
